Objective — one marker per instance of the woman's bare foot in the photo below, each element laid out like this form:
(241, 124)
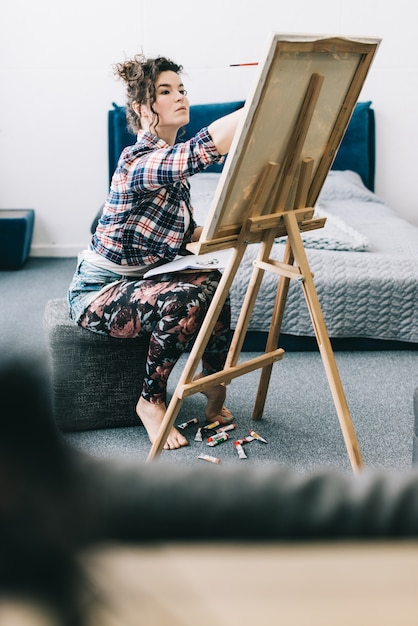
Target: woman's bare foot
(215, 409)
(152, 415)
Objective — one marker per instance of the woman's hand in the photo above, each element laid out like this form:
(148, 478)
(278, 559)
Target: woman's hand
(196, 233)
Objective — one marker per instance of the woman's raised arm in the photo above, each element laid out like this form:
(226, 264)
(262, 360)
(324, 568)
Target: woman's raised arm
(223, 130)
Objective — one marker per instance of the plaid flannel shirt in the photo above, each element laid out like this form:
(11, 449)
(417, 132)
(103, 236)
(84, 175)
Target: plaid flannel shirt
(143, 218)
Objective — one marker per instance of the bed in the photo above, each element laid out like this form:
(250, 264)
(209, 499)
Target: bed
(365, 259)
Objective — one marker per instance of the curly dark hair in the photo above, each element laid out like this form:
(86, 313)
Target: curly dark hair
(140, 75)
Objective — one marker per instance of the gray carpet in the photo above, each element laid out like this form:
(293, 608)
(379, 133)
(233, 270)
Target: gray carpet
(300, 423)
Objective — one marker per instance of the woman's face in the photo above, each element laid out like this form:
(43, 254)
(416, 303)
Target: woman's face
(171, 105)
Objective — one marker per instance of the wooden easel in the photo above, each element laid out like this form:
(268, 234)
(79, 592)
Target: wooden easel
(276, 186)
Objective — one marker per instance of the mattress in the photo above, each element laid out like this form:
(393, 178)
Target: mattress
(364, 261)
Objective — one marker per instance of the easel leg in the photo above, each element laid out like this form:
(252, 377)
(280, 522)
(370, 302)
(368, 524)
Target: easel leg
(249, 303)
(324, 343)
(282, 291)
(199, 346)
(273, 336)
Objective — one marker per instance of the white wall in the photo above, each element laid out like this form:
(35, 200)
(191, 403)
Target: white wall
(57, 86)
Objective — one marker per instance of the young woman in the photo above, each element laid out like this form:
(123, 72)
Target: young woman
(148, 220)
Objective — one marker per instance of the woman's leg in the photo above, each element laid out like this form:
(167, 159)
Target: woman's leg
(170, 309)
(213, 360)
(179, 311)
(182, 325)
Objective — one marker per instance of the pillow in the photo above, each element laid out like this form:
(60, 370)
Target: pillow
(346, 185)
(357, 149)
(335, 235)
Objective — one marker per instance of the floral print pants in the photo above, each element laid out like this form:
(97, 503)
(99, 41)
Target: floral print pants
(168, 308)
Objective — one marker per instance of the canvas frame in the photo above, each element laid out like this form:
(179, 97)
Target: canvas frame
(269, 118)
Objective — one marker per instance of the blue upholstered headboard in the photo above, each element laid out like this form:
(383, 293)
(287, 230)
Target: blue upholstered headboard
(357, 150)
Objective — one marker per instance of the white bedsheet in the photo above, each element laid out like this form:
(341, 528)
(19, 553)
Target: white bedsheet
(371, 292)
